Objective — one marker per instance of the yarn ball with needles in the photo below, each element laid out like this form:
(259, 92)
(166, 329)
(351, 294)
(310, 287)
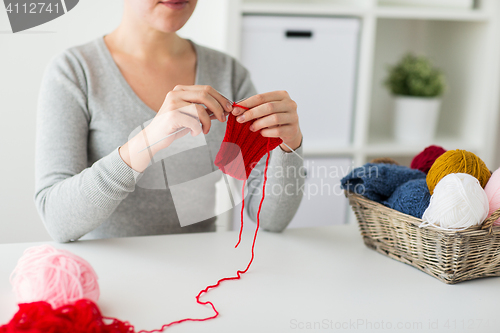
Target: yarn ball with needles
(425, 159)
(55, 276)
(457, 161)
(458, 203)
(411, 198)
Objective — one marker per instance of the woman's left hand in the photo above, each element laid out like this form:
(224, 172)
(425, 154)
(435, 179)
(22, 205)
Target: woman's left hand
(274, 114)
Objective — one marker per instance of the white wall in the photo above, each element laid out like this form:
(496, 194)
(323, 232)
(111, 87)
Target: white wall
(23, 57)
(209, 24)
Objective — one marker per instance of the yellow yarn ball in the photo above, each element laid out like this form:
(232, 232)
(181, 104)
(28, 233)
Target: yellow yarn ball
(457, 161)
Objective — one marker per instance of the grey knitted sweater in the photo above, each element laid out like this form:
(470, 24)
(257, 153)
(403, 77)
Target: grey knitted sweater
(87, 110)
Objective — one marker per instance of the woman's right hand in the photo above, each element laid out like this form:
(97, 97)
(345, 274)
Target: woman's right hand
(182, 108)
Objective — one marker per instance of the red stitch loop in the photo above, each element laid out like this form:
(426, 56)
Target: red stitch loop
(239, 139)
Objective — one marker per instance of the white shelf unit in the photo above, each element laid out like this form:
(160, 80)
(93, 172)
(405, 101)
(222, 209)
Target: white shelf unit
(464, 43)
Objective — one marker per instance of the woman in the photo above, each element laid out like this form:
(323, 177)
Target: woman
(93, 96)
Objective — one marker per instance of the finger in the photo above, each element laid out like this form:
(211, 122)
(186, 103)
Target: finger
(172, 104)
(190, 110)
(277, 132)
(260, 99)
(199, 113)
(193, 109)
(213, 117)
(226, 104)
(262, 111)
(191, 123)
(238, 109)
(204, 118)
(201, 97)
(271, 120)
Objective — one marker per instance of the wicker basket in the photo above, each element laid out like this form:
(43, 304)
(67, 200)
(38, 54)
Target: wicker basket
(450, 256)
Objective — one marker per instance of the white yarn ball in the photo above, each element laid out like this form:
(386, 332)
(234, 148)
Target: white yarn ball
(458, 203)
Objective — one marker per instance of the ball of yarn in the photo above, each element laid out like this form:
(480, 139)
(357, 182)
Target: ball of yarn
(386, 160)
(83, 316)
(55, 276)
(492, 190)
(411, 198)
(457, 161)
(378, 182)
(425, 159)
(458, 202)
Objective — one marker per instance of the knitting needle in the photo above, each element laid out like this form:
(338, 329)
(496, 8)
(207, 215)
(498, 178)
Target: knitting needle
(168, 136)
(180, 130)
(183, 128)
(235, 104)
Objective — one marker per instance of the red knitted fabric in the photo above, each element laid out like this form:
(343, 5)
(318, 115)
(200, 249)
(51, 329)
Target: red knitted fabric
(253, 147)
(81, 317)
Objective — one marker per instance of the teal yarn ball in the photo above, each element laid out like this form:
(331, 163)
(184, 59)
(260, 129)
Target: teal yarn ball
(411, 198)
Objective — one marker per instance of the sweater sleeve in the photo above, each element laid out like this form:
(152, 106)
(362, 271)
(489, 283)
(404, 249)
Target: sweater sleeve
(285, 176)
(72, 198)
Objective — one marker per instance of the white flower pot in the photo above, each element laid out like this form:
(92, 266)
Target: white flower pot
(415, 119)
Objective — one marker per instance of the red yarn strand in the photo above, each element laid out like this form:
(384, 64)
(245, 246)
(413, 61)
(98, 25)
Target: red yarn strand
(242, 211)
(235, 105)
(238, 273)
(85, 316)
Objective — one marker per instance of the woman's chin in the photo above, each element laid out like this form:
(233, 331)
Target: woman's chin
(168, 20)
(169, 27)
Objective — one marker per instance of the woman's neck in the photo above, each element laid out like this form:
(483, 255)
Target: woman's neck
(145, 43)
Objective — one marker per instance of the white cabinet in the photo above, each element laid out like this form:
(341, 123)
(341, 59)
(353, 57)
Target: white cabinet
(323, 201)
(314, 59)
(463, 42)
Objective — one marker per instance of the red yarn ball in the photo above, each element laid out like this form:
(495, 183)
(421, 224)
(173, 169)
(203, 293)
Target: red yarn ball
(426, 158)
(81, 317)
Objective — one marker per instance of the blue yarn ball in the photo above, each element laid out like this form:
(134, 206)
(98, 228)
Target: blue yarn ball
(411, 198)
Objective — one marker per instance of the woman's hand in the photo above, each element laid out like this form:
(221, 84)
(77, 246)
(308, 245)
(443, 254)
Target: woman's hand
(274, 114)
(182, 108)
(183, 96)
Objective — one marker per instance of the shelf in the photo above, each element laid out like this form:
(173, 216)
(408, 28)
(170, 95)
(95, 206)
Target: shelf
(460, 41)
(316, 9)
(329, 151)
(382, 148)
(432, 14)
(325, 9)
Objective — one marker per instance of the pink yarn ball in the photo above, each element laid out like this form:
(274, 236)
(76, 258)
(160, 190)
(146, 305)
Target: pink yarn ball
(492, 190)
(55, 276)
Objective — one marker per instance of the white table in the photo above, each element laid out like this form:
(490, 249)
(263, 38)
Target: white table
(323, 276)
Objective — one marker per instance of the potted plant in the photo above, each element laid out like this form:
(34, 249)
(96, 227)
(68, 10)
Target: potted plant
(417, 88)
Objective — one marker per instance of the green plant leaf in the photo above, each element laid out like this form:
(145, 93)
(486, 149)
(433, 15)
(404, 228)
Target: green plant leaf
(415, 76)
